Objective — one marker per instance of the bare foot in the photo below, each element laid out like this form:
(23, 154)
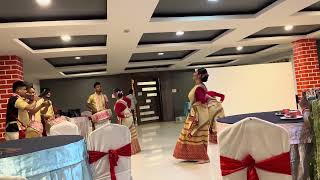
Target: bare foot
(203, 161)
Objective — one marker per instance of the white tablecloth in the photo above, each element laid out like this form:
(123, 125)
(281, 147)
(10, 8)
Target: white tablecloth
(298, 134)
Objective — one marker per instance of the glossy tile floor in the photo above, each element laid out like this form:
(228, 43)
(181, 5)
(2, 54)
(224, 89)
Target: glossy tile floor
(155, 162)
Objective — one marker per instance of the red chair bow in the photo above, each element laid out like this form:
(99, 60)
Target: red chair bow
(113, 157)
(277, 164)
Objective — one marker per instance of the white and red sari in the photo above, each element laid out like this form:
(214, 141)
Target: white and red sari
(125, 118)
(215, 112)
(193, 140)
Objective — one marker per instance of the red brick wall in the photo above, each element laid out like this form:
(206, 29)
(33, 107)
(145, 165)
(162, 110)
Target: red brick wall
(11, 70)
(306, 64)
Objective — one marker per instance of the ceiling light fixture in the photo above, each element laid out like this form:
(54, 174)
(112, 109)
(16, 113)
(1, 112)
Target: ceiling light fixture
(161, 53)
(179, 33)
(288, 27)
(43, 3)
(66, 38)
(213, 0)
(239, 48)
(78, 57)
(62, 73)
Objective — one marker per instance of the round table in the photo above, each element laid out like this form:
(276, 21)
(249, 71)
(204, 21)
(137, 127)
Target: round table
(267, 116)
(52, 157)
(298, 134)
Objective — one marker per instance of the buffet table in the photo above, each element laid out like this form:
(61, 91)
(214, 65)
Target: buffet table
(52, 157)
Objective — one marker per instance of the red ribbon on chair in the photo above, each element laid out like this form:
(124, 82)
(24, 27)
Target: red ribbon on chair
(113, 157)
(277, 164)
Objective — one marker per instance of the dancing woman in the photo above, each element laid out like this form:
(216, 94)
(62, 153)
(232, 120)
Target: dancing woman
(125, 118)
(193, 139)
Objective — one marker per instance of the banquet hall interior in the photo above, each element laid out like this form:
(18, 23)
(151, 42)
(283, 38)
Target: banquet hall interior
(262, 56)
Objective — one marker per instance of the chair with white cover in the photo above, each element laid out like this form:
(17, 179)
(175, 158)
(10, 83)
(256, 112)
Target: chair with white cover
(86, 113)
(84, 125)
(259, 139)
(12, 178)
(110, 137)
(64, 128)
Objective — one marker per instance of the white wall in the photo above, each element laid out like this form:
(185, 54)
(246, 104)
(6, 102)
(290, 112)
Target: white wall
(35, 82)
(254, 88)
(36, 85)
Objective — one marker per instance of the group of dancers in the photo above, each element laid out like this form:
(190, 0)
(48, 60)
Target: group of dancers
(124, 108)
(30, 115)
(200, 125)
(27, 112)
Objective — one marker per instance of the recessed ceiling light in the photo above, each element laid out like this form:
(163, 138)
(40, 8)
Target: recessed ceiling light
(161, 53)
(239, 48)
(78, 57)
(213, 0)
(43, 3)
(288, 27)
(66, 38)
(179, 33)
(62, 73)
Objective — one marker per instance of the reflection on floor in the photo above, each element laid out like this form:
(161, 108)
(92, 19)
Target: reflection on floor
(155, 162)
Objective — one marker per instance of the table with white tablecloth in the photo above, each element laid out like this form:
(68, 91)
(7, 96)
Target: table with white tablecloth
(51, 157)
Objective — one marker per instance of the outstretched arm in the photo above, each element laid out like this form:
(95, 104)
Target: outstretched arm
(213, 94)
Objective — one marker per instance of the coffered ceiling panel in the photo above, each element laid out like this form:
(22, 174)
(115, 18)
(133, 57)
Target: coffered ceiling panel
(181, 8)
(29, 10)
(58, 42)
(77, 60)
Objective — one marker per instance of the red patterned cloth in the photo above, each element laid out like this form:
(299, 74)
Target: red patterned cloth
(102, 115)
(213, 138)
(277, 164)
(191, 152)
(113, 157)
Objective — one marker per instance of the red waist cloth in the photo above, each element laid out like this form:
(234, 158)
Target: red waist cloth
(113, 157)
(277, 164)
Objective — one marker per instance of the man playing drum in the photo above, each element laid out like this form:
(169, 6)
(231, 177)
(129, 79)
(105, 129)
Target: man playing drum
(98, 104)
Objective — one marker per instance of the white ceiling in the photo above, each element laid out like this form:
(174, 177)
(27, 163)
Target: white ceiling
(135, 16)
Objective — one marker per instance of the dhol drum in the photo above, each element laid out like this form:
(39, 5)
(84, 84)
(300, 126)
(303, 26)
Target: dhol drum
(102, 115)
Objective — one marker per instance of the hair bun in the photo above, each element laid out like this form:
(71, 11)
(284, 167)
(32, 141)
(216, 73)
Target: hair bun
(204, 77)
